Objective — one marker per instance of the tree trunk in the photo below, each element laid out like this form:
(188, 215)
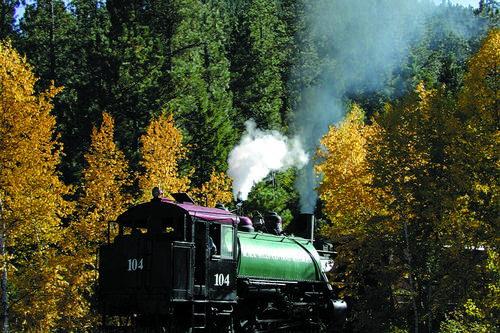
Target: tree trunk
(410, 275)
(5, 303)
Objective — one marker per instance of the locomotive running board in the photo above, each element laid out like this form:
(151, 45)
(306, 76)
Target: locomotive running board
(274, 283)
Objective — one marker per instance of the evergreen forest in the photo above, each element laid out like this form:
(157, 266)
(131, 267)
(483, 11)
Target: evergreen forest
(389, 111)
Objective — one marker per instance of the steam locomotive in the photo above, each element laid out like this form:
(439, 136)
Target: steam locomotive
(177, 267)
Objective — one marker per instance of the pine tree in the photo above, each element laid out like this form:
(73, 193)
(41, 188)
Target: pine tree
(258, 64)
(7, 13)
(47, 32)
(202, 101)
(137, 83)
(68, 45)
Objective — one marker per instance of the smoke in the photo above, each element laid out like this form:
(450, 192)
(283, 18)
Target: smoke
(311, 123)
(358, 44)
(348, 48)
(258, 153)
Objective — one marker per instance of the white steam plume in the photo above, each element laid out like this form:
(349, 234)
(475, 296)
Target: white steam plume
(258, 153)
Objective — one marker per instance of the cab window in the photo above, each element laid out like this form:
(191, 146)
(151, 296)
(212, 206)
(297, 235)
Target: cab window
(227, 241)
(214, 240)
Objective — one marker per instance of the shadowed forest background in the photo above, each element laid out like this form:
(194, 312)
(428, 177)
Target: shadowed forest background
(394, 103)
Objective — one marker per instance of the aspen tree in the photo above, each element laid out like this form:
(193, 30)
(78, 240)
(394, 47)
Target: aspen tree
(104, 185)
(32, 197)
(103, 197)
(351, 205)
(345, 186)
(477, 155)
(162, 149)
(217, 190)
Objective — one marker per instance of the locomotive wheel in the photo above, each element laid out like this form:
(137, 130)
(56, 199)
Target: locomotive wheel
(219, 325)
(253, 324)
(244, 324)
(256, 325)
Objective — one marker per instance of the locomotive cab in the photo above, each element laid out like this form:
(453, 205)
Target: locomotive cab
(168, 259)
(220, 259)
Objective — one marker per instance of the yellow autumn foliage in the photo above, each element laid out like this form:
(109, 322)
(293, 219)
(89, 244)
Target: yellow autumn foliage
(32, 197)
(217, 190)
(345, 185)
(481, 93)
(104, 184)
(102, 199)
(162, 148)
(478, 155)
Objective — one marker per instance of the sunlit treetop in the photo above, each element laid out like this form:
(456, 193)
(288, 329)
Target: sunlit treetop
(341, 161)
(104, 194)
(482, 84)
(217, 190)
(162, 149)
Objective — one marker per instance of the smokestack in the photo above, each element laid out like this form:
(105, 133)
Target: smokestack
(303, 226)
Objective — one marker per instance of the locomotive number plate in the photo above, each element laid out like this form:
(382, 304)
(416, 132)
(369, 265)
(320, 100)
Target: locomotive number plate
(135, 264)
(221, 280)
